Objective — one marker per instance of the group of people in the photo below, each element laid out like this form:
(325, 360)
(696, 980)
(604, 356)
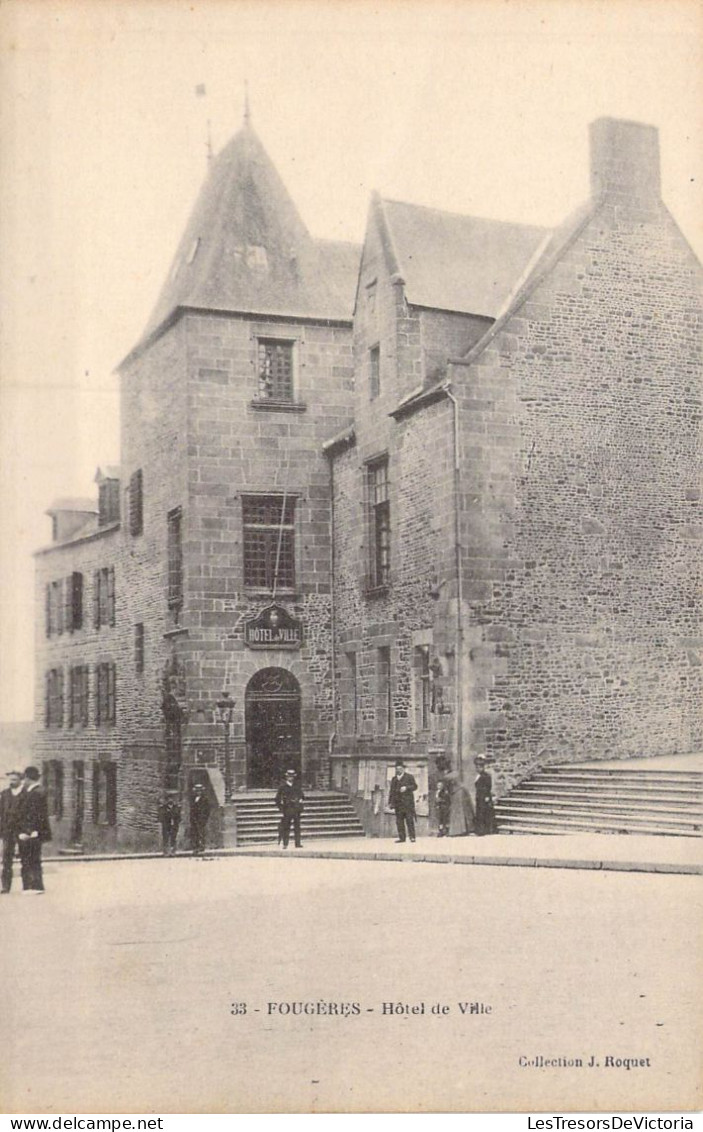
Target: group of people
(24, 827)
(170, 814)
(24, 817)
(456, 815)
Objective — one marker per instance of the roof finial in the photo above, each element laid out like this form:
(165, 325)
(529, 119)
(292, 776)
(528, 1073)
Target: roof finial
(247, 110)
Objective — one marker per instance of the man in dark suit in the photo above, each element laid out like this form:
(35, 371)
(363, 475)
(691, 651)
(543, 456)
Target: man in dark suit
(199, 814)
(33, 830)
(290, 801)
(170, 818)
(402, 800)
(9, 800)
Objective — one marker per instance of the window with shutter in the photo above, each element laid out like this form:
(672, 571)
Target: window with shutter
(111, 596)
(175, 558)
(136, 503)
(76, 584)
(96, 599)
(139, 647)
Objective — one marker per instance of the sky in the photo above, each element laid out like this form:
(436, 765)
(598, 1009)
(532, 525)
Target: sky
(472, 106)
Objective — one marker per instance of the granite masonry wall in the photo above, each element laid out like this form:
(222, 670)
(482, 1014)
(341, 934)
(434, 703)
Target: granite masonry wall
(581, 518)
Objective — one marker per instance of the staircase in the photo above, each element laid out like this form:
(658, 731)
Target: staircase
(573, 799)
(252, 818)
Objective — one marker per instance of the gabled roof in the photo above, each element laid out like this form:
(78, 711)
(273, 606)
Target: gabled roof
(458, 263)
(246, 249)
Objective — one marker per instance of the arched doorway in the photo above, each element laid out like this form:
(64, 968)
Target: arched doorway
(272, 705)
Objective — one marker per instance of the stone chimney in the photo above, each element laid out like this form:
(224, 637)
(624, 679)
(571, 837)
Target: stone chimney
(625, 161)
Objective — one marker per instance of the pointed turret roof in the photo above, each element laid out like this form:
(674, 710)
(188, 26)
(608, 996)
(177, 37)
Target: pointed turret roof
(246, 249)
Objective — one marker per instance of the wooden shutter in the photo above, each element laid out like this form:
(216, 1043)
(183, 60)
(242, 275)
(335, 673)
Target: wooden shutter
(59, 696)
(96, 599)
(48, 610)
(98, 693)
(110, 772)
(96, 793)
(47, 699)
(58, 806)
(76, 583)
(111, 688)
(67, 596)
(111, 595)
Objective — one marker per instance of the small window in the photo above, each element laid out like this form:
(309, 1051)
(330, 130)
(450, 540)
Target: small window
(193, 250)
(379, 523)
(174, 540)
(105, 690)
(52, 774)
(269, 541)
(53, 698)
(104, 597)
(78, 696)
(136, 503)
(104, 793)
(384, 711)
(374, 372)
(139, 647)
(421, 678)
(275, 368)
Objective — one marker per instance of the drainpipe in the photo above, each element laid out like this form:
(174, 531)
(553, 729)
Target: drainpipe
(459, 659)
(333, 629)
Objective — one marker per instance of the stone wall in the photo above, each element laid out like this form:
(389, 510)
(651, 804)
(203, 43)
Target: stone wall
(580, 425)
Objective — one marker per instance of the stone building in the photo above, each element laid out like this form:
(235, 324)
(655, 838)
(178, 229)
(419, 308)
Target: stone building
(457, 513)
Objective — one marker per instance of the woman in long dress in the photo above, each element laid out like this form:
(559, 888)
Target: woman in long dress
(485, 813)
(461, 812)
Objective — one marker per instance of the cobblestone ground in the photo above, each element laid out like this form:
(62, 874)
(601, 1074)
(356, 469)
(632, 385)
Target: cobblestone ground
(119, 985)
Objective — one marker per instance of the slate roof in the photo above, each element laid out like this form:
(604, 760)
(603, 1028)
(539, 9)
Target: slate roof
(246, 249)
(458, 263)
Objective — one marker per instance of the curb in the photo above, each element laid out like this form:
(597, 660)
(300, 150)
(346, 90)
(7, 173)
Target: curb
(683, 869)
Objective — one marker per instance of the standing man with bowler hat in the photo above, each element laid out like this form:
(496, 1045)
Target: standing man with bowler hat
(402, 800)
(33, 830)
(9, 801)
(290, 801)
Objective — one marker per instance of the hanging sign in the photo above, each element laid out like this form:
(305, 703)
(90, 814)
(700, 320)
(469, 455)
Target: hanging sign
(274, 628)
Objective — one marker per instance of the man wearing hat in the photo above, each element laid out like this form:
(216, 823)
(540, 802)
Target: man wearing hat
(9, 800)
(290, 801)
(32, 830)
(199, 814)
(485, 813)
(170, 818)
(402, 800)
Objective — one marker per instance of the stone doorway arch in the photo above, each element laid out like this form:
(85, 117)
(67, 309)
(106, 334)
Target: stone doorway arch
(272, 720)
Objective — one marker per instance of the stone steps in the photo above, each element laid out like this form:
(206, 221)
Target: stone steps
(253, 818)
(568, 799)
